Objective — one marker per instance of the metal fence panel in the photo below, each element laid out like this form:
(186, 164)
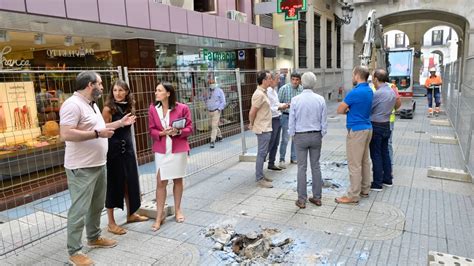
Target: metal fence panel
(193, 89)
(460, 105)
(31, 153)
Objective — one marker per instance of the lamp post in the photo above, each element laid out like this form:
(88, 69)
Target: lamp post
(346, 13)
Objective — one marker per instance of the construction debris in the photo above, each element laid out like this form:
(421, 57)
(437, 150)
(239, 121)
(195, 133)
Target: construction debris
(264, 247)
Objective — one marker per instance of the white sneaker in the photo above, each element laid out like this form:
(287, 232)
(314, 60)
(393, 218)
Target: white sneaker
(282, 165)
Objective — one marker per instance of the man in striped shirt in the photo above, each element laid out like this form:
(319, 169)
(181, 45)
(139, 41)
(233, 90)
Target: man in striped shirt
(285, 94)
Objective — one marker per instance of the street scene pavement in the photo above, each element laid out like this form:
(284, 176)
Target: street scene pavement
(397, 226)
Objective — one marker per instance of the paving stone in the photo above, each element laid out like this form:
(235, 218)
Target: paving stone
(444, 140)
(440, 123)
(438, 258)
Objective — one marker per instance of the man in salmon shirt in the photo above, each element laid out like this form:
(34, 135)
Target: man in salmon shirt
(433, 86)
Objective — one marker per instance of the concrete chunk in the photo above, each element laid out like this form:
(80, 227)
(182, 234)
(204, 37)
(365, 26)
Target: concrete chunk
(448, 173)
(248, 157)
(441, 123)
(438, 258)
(148, 209)
(444, 140)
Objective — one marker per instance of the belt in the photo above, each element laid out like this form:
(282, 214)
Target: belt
(381, 123)
(285, 113)
(306, 132)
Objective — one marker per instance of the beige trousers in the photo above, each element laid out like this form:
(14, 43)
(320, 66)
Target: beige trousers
(357, 150)
(215, 130)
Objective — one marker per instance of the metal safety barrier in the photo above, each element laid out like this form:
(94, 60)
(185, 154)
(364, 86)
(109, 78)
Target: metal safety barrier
(31, 153)
(192, 87)
(458, 92)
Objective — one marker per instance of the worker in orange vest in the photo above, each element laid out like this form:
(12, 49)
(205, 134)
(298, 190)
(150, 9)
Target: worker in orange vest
(433, 86)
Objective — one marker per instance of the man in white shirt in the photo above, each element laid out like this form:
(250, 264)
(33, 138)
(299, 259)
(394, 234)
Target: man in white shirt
(276, 108)
(307, 125)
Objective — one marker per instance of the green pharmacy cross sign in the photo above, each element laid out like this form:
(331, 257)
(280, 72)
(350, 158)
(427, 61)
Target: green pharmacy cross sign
(291, 8)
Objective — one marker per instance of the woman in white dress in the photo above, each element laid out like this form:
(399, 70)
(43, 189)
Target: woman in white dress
(170, 125)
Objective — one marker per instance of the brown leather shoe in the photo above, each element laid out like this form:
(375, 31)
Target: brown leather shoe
(264, 184)
(315, 201)
(102, 242)
(80, 259)
(345, 200)
(300, 203)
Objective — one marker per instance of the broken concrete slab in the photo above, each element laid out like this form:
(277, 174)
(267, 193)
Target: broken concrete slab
(449, 173)
(248, 157)
(444, 140)
(148, 209)
(265, 247)
(439, 122)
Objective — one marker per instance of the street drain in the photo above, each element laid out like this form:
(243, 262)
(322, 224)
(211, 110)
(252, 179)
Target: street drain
(265, 247)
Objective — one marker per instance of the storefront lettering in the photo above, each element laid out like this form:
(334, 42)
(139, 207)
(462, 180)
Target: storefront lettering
(69, 53)
(218, 56)
(11, 62)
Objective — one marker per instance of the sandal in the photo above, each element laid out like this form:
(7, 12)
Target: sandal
(156, 226)
(136, 218)
(116, 230)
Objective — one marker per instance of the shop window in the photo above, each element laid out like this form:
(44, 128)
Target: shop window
(317, 41)
(302, 57)
(207, 6)
(399, 40)
(329, 44)
(338, 45)
(437, 37)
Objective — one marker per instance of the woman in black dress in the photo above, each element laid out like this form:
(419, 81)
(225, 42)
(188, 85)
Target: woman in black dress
(122, 172)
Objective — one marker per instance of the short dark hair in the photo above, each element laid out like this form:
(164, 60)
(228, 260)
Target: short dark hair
(295, 75)
(172, 98)
(381, 75)
(261, 75)
(362, 72)
(110, 101)
(83, 79)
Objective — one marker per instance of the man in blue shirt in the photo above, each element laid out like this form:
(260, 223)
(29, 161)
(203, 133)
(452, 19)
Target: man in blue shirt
(358, 107)
(307, 125)
(285, 94)
(215, 104)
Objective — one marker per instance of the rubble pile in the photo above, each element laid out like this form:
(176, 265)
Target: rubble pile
(265, 247)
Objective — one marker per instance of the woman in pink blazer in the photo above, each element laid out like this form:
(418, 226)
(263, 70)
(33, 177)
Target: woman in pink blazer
(170, 125)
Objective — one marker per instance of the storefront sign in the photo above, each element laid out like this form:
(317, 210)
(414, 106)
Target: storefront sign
(69, 53)
(218, 56)
(11, 62)
(291, 8)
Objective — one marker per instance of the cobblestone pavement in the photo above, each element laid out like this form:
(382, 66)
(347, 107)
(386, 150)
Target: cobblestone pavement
(395, 227)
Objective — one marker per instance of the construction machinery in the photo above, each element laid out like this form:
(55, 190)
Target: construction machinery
(398, 62)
